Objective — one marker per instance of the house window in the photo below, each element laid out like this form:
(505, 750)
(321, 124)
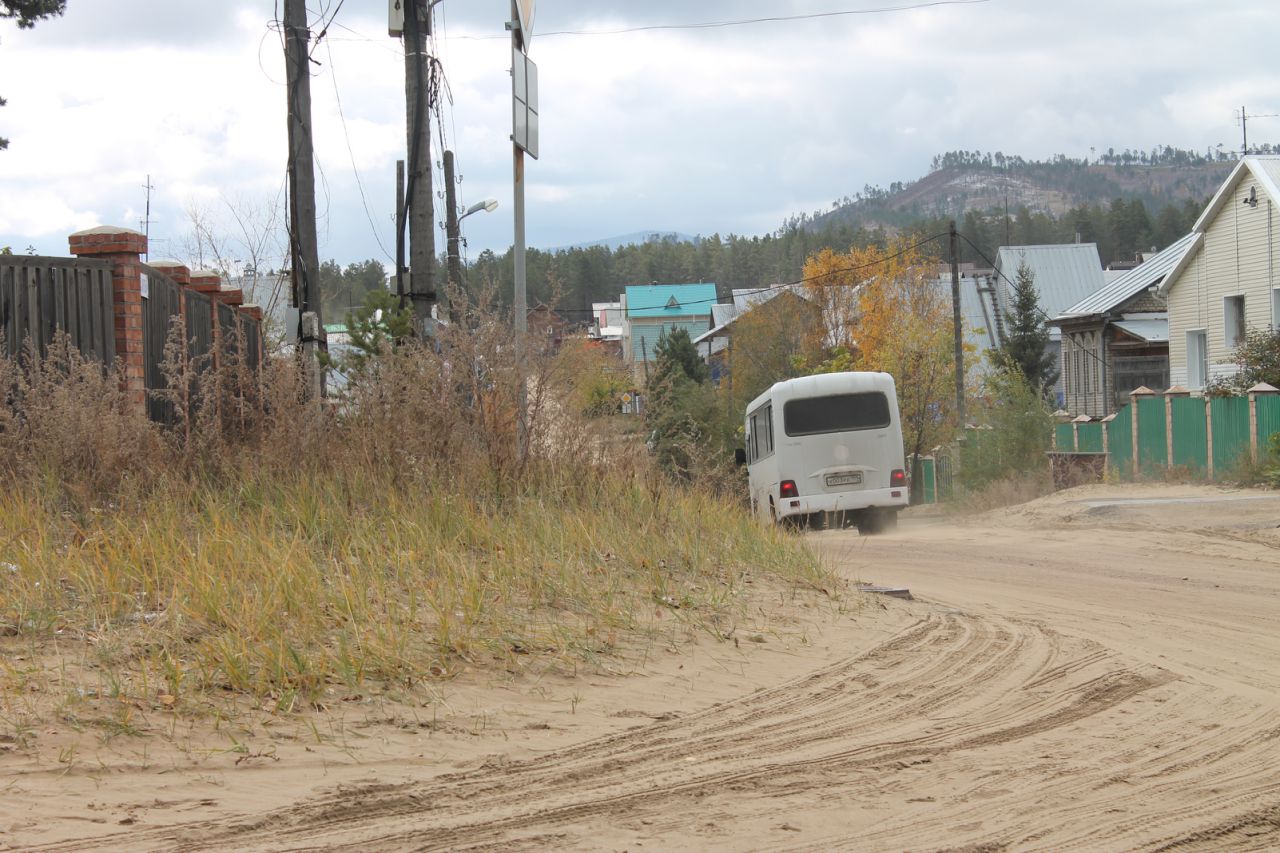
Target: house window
(1233, 319)
(1197, 359)
(1275, 307)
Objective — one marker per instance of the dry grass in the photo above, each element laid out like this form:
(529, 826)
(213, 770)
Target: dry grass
(1007, 491)
(286, 550)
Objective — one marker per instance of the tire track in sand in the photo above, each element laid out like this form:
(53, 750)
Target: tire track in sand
(944, 695)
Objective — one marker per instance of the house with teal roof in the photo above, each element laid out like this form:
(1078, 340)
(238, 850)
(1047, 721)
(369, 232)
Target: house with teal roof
(652, 310)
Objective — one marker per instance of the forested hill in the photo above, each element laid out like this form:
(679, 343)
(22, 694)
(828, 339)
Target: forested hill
(1127, 203)
(961, 181)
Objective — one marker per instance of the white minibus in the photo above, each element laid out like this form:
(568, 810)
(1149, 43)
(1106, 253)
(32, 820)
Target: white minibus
(827, 449)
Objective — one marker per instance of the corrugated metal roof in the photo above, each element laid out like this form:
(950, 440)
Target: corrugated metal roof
(1154, 331)
(1132, 282)
(1064, 274)
(670, 300)
(724, 314)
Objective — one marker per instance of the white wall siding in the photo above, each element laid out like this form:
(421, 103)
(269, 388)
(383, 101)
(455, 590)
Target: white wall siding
(1231, 261)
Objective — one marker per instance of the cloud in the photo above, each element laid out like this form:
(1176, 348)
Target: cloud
(701, 131)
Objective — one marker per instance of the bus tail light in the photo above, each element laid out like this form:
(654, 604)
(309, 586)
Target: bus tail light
(898, 477)
(788, 489)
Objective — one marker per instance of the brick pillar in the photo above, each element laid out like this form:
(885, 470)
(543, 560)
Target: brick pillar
(123, 248)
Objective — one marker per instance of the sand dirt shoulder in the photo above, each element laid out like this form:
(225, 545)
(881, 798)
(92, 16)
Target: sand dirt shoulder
(1095, 670)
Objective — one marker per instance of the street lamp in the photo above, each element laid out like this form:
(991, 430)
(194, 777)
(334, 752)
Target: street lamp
(454, 232)
(489, 205)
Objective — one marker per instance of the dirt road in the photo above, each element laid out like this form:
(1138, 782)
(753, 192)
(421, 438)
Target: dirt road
(1096, 671)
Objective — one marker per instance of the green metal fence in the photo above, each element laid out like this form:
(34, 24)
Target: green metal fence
(1268, 420)
(1089, 438)
(1230, 433)
(1190, 434)
(1064, 438)
(1120, 443)
(1153, 437)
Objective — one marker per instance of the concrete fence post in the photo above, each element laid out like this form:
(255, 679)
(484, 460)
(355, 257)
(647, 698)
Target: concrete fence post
(123, 249)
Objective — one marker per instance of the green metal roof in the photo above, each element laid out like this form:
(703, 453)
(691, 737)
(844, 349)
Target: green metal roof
(670, 300)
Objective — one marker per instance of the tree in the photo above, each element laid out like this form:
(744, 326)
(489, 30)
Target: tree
(676, 359)
(771, 342)
(893, 317)
(1257, 359)
(1026, 346)
(27, 12)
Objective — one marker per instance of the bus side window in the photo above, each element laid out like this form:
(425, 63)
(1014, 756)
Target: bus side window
(768, 422)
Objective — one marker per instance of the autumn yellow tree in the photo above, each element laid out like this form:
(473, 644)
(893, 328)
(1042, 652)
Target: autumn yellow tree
(772, 341)
(885, 310)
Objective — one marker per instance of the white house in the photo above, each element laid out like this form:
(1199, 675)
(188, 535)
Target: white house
(1227, 282)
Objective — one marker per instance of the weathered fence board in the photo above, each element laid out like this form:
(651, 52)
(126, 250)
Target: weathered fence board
(43, 297)
(161, 311)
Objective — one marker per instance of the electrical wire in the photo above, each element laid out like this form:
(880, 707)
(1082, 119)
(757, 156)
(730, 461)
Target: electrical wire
(1043, 314)
(364, 200)
(772, 19)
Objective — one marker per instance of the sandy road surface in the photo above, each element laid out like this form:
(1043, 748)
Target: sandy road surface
(1100, 670)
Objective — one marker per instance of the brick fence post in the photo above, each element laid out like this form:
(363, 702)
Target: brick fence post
(122, 248)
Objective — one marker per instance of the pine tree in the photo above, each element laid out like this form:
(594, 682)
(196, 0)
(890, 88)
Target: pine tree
(1027, 343)
(677, 359)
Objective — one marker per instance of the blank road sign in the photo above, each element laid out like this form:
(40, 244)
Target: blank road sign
(524, 103)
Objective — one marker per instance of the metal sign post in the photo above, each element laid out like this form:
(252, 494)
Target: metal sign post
(524, 137)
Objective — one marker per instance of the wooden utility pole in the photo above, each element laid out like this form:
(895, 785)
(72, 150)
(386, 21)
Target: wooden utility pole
(302, 188)
(418, 196)
(955, 317)
(401, 290)
(454, 234)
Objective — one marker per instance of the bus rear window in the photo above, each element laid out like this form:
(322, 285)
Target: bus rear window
(837, 413)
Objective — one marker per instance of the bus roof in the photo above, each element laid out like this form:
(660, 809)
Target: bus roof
(824, 384)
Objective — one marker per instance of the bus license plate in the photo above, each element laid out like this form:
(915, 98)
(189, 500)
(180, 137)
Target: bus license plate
(852, 479)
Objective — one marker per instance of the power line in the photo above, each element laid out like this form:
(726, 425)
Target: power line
(740, 22)
(333, 75)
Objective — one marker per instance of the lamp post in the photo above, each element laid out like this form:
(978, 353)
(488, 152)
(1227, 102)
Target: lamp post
(453, 231)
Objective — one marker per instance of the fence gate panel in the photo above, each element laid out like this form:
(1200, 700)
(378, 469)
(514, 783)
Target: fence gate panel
(945, 472)
(1230, 434)
(1190, 434)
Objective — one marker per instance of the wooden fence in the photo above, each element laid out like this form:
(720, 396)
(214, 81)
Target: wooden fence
(40, 297)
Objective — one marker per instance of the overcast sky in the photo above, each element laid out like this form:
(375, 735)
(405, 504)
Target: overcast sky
(727, 129)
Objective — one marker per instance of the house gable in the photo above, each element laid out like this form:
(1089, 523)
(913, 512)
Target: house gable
(1231, 262)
